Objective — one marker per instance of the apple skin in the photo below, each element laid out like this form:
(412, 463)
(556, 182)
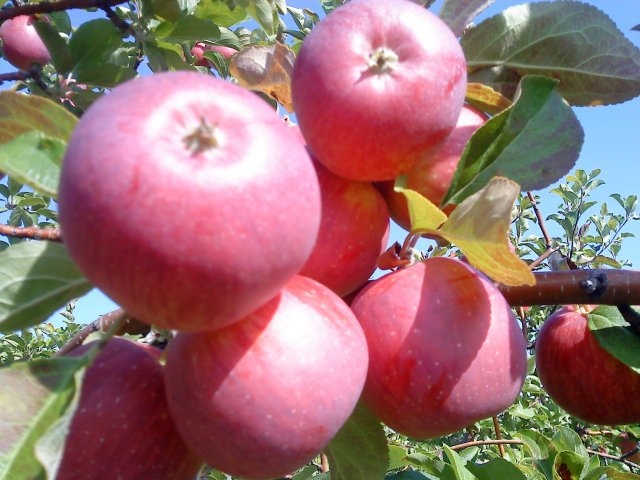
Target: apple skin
(432, 175)
(262, 397)
(184, 238)
(366, 118)
(21, 44)
(445, 350)
(354, 229)
(581, 376)
(122, 427)
(199, 48)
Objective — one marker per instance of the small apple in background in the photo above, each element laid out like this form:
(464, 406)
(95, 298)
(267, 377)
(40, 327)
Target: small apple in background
(262, 397)
(627, 443)
(581, 376)
(395, 89)
(122, 427)
(200, 47)
(21, 44)
(433, 173)
(187, 200)
(445, 350)
(354, 229)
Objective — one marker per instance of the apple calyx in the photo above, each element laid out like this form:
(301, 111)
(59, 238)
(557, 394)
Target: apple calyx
(202, 139)
(382, 60)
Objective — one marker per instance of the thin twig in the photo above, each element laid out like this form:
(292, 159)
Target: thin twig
(324, 463)
(614, 457)
(14, 76)
(542, 258)
(50, 7)
(477, 443)
(543, 228)
(523, 321)
(496, 427)
(34, 233)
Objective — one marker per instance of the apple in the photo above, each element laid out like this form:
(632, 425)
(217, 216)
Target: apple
(122, 427)
(581, 376)
(21, 44)
(187, 200)
(262, 397)
(375, 85)
(354, 229)
(200, 47)
(432, 175)
(445, 350)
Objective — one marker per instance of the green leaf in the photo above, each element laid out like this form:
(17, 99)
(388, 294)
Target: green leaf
(458, 465)
(34, 159)
(94, 41)
(359, 450)
(33, 395)
(101, 74)
(397, 457)
(496, 469)
(36, 278)
(572, 42)
(305, 473)
(407, 475)
(534, 142)
(220, 13)
(459, 13)
(541, 448)
(188, 29)
(568, 466)
(614, 335)
(56, 45)
(265, 13)
(569, 440)
(609, 473)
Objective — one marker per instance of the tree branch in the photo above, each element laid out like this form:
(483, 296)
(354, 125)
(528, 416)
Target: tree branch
(35, 233)
(541, 223)
(603, 287)
(14, 76)
(477, 443)
(50, 7)
(103, 324)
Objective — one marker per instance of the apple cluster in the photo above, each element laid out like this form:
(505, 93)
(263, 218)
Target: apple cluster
(188, 201)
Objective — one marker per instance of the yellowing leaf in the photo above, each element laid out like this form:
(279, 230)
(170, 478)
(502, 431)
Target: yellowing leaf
(267, 69)
(486, 98)
(479, 226)
(423, 213)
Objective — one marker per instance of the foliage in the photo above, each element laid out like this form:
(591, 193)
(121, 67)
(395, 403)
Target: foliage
(527, 68)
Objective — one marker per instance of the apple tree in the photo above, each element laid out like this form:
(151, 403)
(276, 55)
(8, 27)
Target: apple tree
(226, 171)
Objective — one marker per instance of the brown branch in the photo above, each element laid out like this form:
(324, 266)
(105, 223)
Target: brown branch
(477, 443)
(14, 76)
(603, 287)
(542, 258)
(541, 223)
(50, 7)
(103, 324)
(614, 457)
(496, 427)
(34, 233)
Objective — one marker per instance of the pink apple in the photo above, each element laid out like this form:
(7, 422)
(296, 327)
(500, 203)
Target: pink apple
(21, 44)
(580, 375)
(187, 200)
(199, 48)
(354, 228)
(433, 173)
(262, 397)
(445, 349)
(122, 427)
(375, 84)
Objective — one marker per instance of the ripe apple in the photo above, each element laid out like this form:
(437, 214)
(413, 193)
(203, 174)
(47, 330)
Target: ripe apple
(354, 229)
(187, 200)
(262, 397)
(199, 48)
(21, 44)
(580, 375)
(392, 86)
(445, 349)
(122, 427)
(433, 173)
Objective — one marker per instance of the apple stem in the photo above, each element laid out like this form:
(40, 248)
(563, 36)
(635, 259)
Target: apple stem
(202, 139)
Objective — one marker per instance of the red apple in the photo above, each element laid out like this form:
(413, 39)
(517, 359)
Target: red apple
(580, 375)
(199, 48)
(375, 84)
(21, 44)
(354, 228)
(187, 200)
(122, 427)
(262, 397)
(445, 349)
(433, 173)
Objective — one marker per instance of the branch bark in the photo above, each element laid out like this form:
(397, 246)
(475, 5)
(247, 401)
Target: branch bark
(50, 7)
(35, 233)
(603, 287)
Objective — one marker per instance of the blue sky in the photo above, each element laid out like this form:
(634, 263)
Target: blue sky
(612, 141)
